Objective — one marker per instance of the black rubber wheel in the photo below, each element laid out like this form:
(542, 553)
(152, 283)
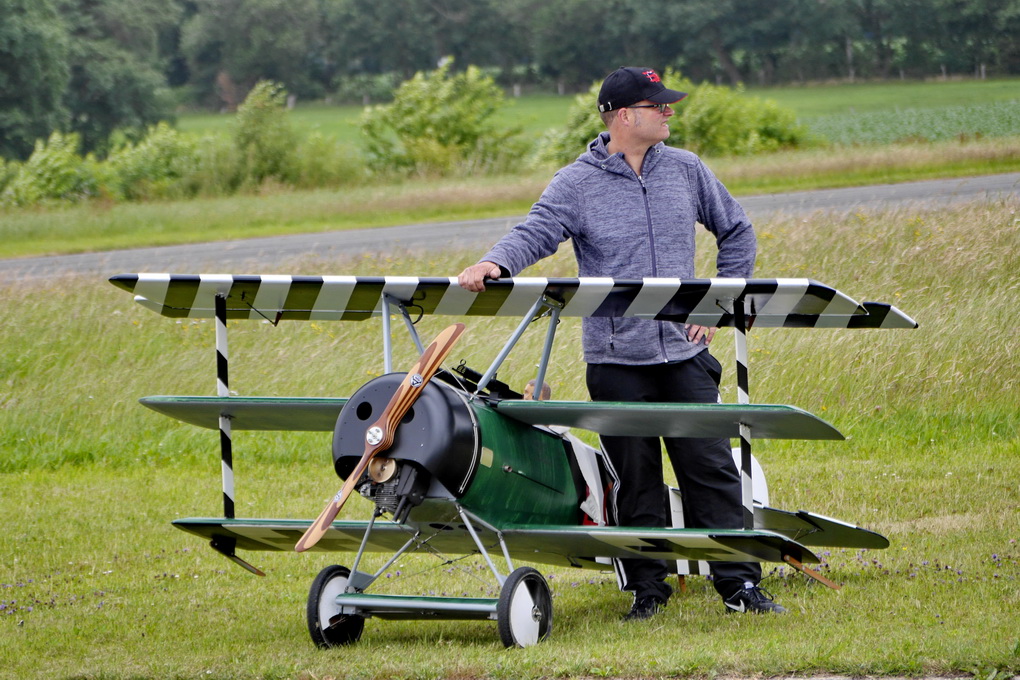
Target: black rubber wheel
(524, 612)
(327, 626)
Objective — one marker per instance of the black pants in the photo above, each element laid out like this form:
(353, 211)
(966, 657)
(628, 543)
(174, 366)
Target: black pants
(708, 479)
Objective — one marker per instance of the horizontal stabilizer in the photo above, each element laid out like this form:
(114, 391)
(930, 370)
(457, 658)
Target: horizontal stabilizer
(766, 421)
(251, 413)
(707, 302)
(816, 530)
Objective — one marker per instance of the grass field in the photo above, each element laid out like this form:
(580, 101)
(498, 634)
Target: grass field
(538, 112)
(842, 98)
(533, 113)
(103, 226)
(881, 127)
(94, 583)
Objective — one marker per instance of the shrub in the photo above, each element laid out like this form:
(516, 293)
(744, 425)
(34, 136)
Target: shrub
(220, 167)
(264, 135)
(439, 123)
(54, 171)
(154, 168)
(323, 161)
(712, 120)
(8, 171)
(719, 121)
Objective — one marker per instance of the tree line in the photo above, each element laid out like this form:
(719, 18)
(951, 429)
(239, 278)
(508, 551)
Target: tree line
(93, 67)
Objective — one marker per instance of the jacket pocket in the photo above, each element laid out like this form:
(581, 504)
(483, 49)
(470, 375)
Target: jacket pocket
(711, 365)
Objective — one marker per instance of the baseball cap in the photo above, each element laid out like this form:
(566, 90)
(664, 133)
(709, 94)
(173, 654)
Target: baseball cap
(629, 85)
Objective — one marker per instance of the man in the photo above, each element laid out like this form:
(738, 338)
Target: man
(630, 205)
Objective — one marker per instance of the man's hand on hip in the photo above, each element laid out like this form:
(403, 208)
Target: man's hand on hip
(697, 333)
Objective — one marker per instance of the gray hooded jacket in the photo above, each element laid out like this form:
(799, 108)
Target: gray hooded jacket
(627, 226)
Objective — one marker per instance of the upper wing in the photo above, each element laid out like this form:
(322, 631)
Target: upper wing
(766, 421)
(578, 546)
(708, 302)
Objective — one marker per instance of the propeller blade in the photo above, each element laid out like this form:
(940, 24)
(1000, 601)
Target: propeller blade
(379, 435)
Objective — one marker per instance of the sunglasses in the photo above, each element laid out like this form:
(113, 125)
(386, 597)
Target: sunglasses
(662, 107)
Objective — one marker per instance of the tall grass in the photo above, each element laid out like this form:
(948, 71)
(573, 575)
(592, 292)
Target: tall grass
(95, 584)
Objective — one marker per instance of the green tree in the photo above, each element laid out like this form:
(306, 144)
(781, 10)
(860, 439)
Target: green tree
(232, 44)
(116, 66)
(1008, 23)
(372, 37)
(33, 74)
(576, 41)
(441, 122)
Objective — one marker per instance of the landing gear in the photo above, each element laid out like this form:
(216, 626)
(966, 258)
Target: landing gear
(338, 604)
(524, 611)
(328, 626)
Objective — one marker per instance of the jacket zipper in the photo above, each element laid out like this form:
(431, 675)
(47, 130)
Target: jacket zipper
(651, 247)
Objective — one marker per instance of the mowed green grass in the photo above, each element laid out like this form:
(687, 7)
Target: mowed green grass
(536, 113)
(95, 583)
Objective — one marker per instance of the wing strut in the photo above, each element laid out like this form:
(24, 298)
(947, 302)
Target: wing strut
(464, 516)
(555, 308)
(223, 391)
(389, 300)
(740, 326)
(542, 305)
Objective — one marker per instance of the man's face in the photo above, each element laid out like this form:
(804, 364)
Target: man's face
(650, 124)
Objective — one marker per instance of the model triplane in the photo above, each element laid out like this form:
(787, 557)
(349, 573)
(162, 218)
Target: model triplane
(456, 462)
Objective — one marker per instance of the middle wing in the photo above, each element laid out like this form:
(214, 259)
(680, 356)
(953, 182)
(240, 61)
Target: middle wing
(766, 421)
(251, 413)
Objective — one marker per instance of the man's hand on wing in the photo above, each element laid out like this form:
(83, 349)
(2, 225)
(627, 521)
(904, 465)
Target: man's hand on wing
(473, 278)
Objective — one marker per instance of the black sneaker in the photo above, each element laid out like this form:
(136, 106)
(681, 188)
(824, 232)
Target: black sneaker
(753, 599)
(644, 608)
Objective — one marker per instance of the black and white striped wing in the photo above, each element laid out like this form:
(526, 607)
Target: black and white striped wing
(768, 303)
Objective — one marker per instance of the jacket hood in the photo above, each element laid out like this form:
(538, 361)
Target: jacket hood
(597, 153)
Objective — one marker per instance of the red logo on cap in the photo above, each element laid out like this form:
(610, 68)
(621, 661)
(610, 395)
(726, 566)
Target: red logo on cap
(652, 76)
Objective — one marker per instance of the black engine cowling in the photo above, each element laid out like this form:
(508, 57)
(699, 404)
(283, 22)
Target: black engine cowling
(438, 437)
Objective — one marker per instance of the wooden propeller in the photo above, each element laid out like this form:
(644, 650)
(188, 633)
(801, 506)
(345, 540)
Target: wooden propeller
(379, 435)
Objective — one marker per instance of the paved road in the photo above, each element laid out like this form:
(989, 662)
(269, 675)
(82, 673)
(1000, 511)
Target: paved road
(260, 254)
